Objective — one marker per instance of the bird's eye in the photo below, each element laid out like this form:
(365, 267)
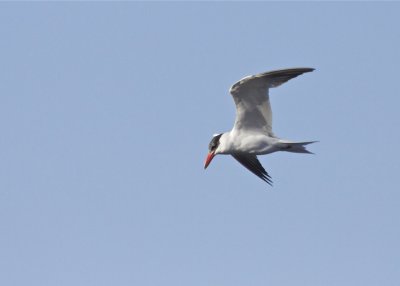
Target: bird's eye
(214, 142)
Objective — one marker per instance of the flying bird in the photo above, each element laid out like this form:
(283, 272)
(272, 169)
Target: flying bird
(252, 132)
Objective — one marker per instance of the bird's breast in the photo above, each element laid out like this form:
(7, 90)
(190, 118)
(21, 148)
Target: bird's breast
(257, 144)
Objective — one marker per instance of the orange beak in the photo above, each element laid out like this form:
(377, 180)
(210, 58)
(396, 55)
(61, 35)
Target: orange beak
(209, 158)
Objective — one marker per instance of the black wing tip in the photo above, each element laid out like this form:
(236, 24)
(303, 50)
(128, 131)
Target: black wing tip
(283, 75)
(266, 178)
(298, 71)
(308, 70)
(305, 69)
(251, 163)
(263, 175)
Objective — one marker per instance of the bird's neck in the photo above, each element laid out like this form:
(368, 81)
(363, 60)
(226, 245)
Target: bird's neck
(225, 143)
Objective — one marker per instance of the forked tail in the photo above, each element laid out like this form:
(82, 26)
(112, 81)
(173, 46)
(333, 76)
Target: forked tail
(295, 147)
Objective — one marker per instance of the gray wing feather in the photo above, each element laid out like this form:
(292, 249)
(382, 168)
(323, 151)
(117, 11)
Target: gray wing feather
(253, 108)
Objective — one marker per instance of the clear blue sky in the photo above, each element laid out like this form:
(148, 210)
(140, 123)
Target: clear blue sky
(106, 111)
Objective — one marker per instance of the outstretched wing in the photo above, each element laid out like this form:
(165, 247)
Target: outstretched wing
(253, 109)
(251, 162)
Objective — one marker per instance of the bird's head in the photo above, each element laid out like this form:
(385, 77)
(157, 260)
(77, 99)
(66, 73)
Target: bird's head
(212, 149)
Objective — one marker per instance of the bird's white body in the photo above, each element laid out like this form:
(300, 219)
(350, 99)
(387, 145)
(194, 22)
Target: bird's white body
(252, 132)
(248, 142)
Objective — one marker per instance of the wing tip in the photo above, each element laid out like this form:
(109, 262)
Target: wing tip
(267, 178)
(268, 181)
(251, 163)
(298, 70)
(288, 72)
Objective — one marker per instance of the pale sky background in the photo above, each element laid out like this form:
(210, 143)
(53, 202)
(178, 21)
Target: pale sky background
(106, 111)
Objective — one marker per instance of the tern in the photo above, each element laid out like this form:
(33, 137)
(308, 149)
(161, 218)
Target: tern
(252, 132)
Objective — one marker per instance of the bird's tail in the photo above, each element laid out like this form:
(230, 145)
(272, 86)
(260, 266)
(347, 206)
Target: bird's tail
(295, 147)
